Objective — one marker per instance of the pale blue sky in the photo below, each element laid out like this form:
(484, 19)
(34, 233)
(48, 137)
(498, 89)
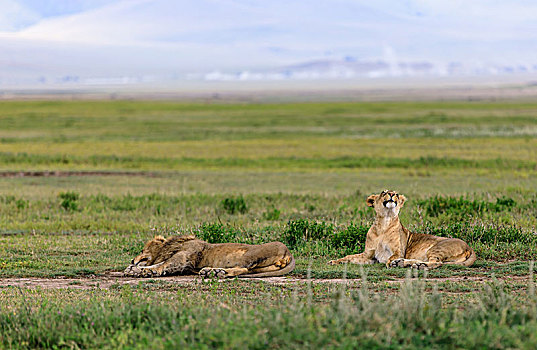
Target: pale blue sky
(100, 37)
(20, 14)
(50, 8)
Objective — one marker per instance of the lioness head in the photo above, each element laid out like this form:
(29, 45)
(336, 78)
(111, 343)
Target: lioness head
(150, 252)
(387, 203)
(159, 249)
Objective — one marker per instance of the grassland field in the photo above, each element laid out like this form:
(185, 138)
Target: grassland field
(252, 173)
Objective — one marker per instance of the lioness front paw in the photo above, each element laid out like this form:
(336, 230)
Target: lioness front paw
(420, 266)
(333, 262)
(132, 271)
(148, 273)
(208, 272)
(398, 263)
(136, 271)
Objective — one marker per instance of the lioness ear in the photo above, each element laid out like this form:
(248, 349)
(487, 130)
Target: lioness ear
(371, 200)
(402, 199)
(159, 239)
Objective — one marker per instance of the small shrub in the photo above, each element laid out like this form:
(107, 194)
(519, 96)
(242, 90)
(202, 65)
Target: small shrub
(69, 200)
(234, 205)
(272, 214)
(309, 207)
(505, 202)
(344, 240)
(21, 204)
(217, 233)
(487, 234)
(438, 205)
(300, 231)
(351, 240)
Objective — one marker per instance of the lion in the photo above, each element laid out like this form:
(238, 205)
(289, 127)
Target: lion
(186, 255)
(390, 243)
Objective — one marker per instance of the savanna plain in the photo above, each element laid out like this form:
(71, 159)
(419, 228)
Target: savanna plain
(83, 184)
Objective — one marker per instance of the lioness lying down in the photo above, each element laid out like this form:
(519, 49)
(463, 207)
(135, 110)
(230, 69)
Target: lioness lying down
(186, 255)
(389, 242)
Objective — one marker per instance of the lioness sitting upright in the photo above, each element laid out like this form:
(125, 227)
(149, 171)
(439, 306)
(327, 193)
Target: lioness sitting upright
(186, 254)
(390, 243)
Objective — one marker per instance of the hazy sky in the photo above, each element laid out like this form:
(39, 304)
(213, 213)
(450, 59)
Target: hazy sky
(96, 37)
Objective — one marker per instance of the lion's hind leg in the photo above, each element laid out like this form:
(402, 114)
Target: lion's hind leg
(276, 266)
(219, 272)
(450, 251)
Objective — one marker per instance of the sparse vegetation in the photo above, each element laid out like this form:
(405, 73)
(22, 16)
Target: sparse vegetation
(272, 214)
(214, 315)
(217, 233)
(234, 205)
(69, 200)
(463, 206)
(297, 173)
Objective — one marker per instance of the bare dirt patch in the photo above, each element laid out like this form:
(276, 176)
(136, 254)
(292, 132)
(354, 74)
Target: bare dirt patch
(74, 173)
(117, 279)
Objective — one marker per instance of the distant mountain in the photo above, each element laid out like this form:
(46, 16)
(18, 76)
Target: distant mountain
(136, 41)
(343, 69)
(350, 68)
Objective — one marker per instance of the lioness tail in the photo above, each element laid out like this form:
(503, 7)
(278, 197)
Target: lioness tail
(470, 260)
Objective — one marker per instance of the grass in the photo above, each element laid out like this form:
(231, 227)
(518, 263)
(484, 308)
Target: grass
(166, 135)
(298, 173)
(161, 121)
(104, 232)
(231, 315)
(143, 163)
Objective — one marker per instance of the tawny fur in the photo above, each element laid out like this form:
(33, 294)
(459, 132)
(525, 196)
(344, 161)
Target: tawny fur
(389, 242)
(188, 255)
